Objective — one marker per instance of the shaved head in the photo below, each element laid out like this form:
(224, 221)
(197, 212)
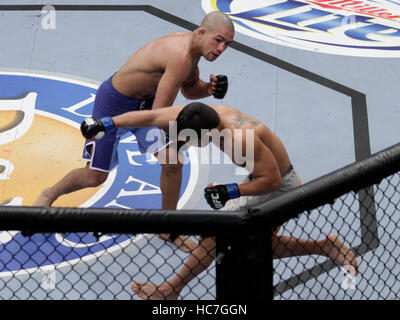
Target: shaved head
(215, 20)
(214, 35)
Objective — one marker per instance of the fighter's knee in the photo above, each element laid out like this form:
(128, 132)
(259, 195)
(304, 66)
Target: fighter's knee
(208, 245)
(207, 242)
(332, 237)
(95, 178)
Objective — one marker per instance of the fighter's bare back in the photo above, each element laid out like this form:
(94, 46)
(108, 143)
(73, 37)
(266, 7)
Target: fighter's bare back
(235, 120)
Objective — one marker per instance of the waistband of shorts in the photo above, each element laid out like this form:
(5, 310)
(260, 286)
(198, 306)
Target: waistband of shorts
(125, 98)
(289, 171)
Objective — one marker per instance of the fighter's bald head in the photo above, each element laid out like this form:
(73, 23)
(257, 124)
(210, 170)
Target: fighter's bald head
(215, 20)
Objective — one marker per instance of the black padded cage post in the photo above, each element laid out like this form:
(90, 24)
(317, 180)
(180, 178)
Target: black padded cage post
(244, 266)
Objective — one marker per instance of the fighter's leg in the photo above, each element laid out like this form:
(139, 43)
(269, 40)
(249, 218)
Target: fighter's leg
(102, 154)
(75, 180)
(331, 247)
(171, 177)
(170, 185)
(199, 260)
(101, 157)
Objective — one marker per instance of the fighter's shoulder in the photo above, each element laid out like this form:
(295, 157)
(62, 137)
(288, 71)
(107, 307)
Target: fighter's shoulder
(221, 107)
(177, 54)
(175, 41)
(180, 34)
(224, 110)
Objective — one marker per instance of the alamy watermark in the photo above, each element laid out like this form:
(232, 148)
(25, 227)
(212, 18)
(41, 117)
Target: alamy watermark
(349, 281)
(48, 17)
(236, 144)
(49, 279)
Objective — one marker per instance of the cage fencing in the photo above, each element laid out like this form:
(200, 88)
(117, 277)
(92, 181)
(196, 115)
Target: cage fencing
(338, 239)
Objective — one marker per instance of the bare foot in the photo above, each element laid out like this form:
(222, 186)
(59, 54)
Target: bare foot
(187, 245)
(148, 291)
(43, 200)
(338, 252)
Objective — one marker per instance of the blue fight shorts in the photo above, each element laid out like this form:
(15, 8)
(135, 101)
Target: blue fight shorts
(102, 153)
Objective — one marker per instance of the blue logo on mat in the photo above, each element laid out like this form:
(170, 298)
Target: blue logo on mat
(40, 142)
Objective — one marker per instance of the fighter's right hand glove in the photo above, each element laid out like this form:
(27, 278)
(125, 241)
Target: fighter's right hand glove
(221, 86)
(218, 195)
(95, 129)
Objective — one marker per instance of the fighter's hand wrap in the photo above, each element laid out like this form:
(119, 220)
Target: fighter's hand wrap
(221, 86)
(95, 129)
(218, 195)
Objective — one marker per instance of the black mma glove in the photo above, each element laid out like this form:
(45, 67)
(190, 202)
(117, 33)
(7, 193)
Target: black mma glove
(95, 129)
(221, 87)
(218, 195)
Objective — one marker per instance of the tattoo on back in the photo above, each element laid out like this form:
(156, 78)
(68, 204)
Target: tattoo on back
(241, 120)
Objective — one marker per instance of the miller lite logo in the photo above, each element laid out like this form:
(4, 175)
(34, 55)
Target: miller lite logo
(368, 28)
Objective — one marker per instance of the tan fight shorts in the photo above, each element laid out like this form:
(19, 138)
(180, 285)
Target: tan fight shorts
(290, 181)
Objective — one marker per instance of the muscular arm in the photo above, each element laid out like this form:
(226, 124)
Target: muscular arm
(176, 72)
(195, 88)
(147, 118)
(265, 169)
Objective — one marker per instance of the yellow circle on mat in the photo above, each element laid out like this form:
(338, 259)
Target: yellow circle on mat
(41, 157)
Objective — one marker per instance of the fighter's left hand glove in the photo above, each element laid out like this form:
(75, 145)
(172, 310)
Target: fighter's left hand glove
(220, 85)
(218, 195)
(95, 129)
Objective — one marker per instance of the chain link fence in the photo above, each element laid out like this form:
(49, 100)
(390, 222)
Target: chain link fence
(351, 248)
(79, 266)
(338, 239)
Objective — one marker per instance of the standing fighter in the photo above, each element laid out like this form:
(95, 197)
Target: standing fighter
(150, 79)
(271, 174)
